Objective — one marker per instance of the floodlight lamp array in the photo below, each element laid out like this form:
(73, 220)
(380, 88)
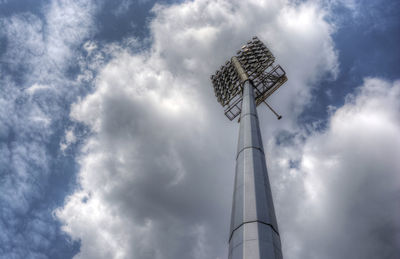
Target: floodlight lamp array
(257, 61)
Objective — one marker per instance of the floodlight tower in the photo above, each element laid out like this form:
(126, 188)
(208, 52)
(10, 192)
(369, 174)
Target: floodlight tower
(240, 85)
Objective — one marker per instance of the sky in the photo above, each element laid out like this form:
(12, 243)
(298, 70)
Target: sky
(112, 144)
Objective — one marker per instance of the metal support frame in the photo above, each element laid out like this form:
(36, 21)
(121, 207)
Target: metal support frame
(257, 61)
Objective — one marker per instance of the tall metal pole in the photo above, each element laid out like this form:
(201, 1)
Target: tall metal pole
(244, 82)
(254, 230)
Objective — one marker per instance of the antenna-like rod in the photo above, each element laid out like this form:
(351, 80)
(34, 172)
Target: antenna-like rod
(273, 111)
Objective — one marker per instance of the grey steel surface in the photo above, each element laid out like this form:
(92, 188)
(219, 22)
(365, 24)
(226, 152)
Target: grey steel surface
(239, 69)
(254, 230)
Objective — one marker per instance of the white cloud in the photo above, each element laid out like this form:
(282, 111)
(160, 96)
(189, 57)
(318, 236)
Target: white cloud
(37, 87)
(69, 139)
(90, 46)
(156, 178)
(29, 49)
(68, 24)
(33, 94)
(342, 199)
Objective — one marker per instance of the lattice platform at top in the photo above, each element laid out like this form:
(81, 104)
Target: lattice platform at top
(257, 60)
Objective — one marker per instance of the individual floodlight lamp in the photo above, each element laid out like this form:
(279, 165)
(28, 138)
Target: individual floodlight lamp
(242, 84)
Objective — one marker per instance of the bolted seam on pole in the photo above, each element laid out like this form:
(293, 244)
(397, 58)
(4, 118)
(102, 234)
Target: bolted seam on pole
(254, 231)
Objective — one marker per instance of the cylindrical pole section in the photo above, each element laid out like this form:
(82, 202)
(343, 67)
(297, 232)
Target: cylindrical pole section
(254, 230)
